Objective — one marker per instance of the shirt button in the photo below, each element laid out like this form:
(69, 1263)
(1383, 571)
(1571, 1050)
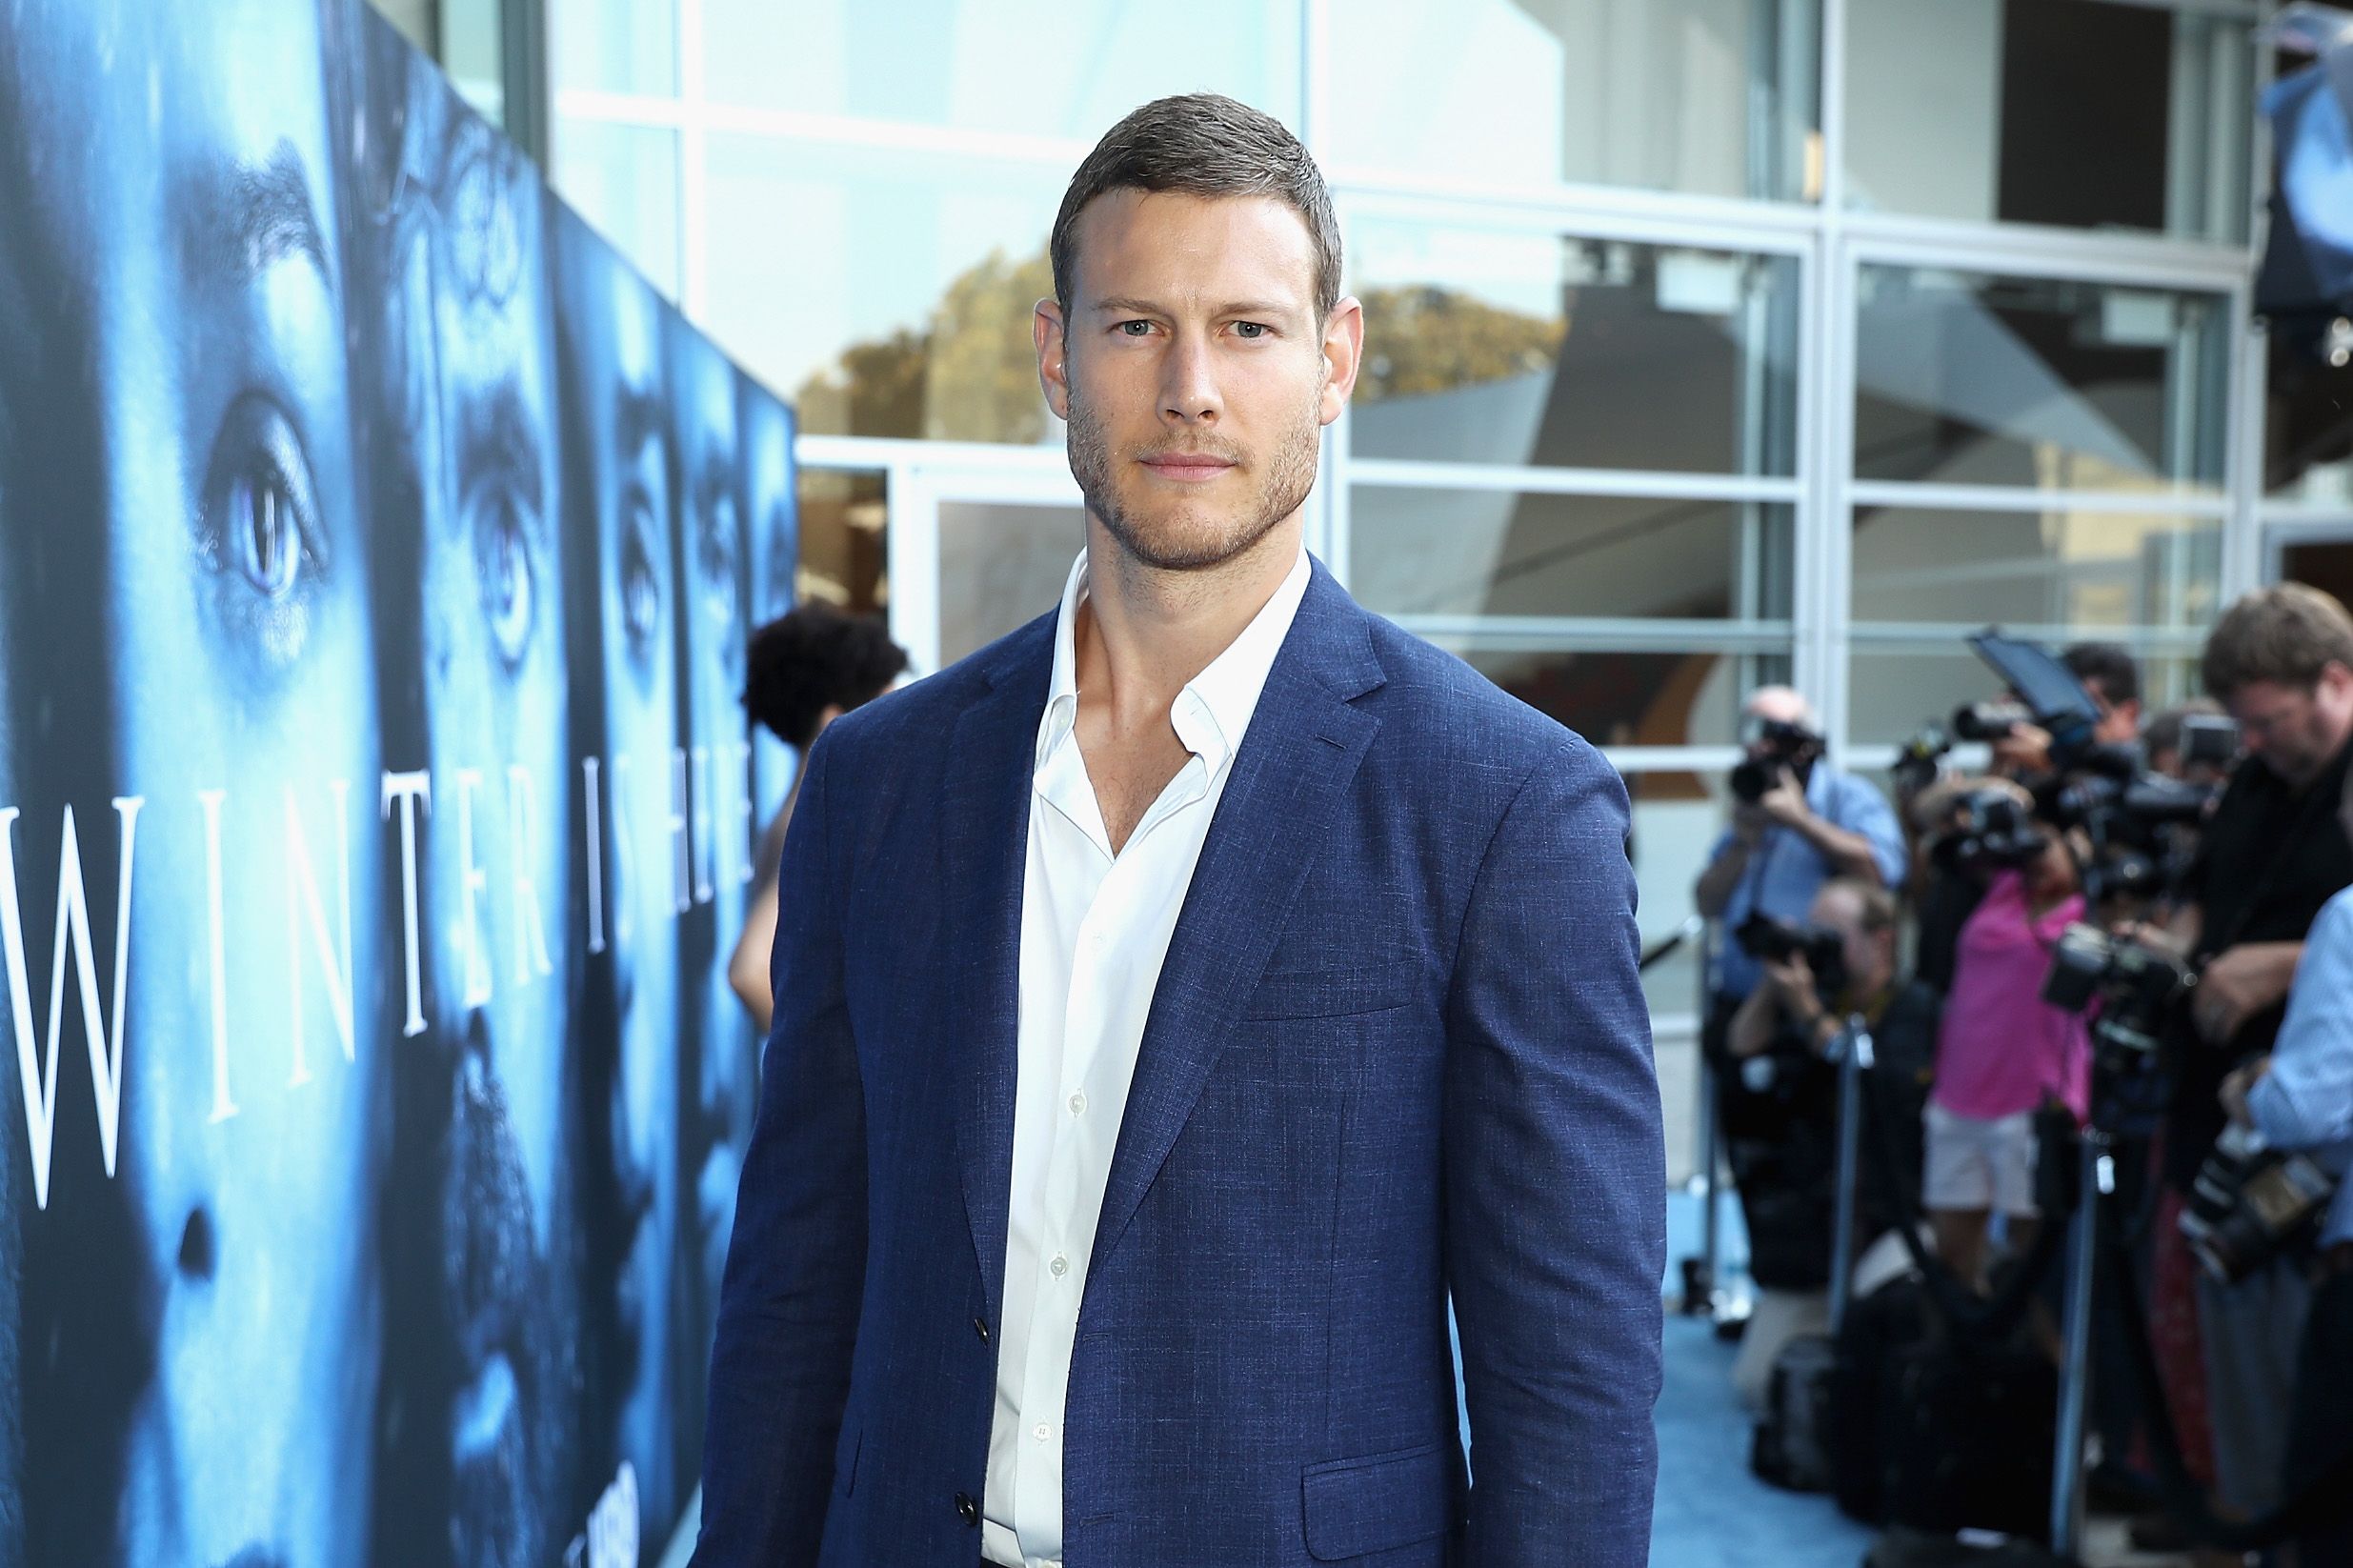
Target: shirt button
(1060, 1266)
(1042, 1432)
(1079, 1105)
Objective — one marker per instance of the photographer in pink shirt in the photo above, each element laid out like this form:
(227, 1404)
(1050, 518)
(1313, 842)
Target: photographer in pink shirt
(2002, 1055)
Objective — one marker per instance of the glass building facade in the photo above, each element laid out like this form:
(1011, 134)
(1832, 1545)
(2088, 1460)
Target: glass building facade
(1710, 342)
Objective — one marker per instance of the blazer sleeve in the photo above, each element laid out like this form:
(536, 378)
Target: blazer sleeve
(796, 1264)
(1556, 1182)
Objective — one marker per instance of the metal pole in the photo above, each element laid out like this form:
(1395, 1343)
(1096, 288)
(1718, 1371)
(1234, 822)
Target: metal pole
(1700, 1289)
(2095, 1174)
(1853, 1053)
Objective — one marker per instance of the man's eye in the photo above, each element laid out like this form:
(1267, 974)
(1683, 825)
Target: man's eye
(641, 588)
(1250, 329)
(260, 516)
(1135, 329)
(502, 542)
(258, 528)
(262, 535)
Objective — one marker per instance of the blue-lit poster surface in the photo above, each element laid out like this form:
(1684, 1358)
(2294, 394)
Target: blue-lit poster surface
(376, 812)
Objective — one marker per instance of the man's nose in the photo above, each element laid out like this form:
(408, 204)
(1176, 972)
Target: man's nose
(1189, 385)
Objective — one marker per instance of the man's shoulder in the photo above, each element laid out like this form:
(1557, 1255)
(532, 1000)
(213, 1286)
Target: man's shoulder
(1428, 692)
(919, 719)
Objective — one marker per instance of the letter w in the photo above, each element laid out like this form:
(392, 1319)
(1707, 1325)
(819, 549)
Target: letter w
(105, 1049)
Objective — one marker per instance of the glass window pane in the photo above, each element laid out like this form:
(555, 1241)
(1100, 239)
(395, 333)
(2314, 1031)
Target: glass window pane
(1965, 378)
(2056, 112)
(2086, 568)
(1710, 96)
(614, 46)
(1628, 699)
(1493, 346)
(474, 52)
(624, 179)
(844, 543)
(1893, 692)
(2308, 420)
(1000, 567)
(883, 292)
(2324, 564)
(1030, 67)
(1415, 551)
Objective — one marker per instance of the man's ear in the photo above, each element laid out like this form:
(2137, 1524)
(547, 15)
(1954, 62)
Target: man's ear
(1344, 355)
(1046, 332)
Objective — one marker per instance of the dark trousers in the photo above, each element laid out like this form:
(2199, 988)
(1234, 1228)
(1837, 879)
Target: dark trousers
(2320, 1432)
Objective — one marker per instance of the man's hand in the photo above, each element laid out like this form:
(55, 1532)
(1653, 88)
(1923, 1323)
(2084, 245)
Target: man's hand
(2235, 1089)
(2240, 982)
(1749, 822)
(1785, 803)
(2025, 750)
(1792, 979)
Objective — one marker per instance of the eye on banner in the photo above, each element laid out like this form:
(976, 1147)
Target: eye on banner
(378, 812)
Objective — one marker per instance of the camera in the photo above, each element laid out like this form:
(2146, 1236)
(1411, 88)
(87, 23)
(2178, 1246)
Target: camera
(1989, 720)
(1989, 828)
(2208, 740)
(1919, 760)
(2136, 986)
(2250, 1203)
(1784, 744)
(2134, 983)
(1768, 940)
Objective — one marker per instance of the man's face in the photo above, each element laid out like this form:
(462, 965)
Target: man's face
(2295, 730)
(1195, 370)
(2119, 722)
(187, 224)
(1870, 955)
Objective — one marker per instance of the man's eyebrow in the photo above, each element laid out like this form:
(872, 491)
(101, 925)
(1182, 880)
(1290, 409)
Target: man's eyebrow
(266, 215)
(1122, 305)
(640, 418)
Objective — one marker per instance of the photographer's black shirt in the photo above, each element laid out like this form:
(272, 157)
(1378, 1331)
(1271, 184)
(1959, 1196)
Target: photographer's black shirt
(2269, 858)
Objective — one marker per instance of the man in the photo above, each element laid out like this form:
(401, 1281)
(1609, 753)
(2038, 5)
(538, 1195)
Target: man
(2300, 1097)
(1813, 823)
(2112, 676)
(1183, 999)
(1781, 1110)
(2280, 662)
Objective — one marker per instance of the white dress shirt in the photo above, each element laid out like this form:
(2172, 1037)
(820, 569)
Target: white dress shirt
(1094, 929)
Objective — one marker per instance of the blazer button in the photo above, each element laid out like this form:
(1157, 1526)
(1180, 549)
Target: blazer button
(966, 1508)
(981, 1326)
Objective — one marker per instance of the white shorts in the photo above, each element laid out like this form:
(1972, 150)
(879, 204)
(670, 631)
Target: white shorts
(1974, 1164)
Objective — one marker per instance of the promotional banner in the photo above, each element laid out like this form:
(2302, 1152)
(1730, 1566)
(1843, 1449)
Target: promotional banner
(377, 555)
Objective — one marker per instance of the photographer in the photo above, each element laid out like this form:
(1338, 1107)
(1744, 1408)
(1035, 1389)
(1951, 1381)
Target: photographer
(1780, 1101)
(2280, 661)
(2109, 673)
(2300, 1098)
(2003, 1054)
(1945, 895)
(1797, 823)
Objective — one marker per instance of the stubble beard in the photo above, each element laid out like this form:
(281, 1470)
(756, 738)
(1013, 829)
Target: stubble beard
(1194, 537)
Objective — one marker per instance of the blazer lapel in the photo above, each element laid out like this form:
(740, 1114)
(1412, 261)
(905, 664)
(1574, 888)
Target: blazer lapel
(984, 829)
(1289, 778)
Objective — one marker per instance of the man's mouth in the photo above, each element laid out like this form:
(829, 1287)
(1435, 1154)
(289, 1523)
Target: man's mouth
(1188, 467)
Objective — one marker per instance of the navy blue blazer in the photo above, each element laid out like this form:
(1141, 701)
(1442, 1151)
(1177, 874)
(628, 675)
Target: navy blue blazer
(1398, 1051)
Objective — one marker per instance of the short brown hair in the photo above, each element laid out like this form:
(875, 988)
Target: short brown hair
(1203, 145)
(1876, 908)
(2289, 633)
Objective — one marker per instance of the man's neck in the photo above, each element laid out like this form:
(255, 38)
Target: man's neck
(1143, 632)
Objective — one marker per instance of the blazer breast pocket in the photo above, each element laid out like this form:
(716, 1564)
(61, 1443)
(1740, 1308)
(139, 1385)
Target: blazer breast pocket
(1367, 985)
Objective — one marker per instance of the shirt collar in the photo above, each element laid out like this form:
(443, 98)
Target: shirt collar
(1214, 711)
